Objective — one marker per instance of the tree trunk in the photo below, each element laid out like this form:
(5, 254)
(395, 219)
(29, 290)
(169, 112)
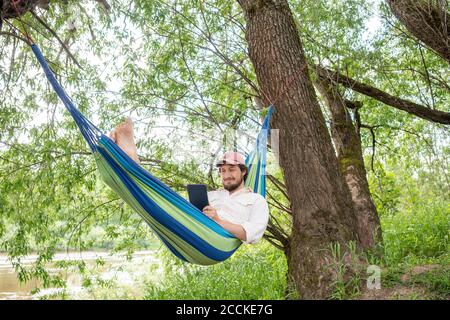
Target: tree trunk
(351, 164)
(322, 208)
(8, 11)
(427, 20)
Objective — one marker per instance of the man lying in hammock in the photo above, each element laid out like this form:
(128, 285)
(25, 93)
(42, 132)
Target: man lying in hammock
(236, 208)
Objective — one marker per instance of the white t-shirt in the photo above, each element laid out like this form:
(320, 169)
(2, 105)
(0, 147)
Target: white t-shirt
(243, 207)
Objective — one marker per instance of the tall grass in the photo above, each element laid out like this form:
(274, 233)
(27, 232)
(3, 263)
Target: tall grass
(253, 272)
(416, 236)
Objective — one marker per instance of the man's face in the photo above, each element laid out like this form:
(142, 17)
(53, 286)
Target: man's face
(232, 176)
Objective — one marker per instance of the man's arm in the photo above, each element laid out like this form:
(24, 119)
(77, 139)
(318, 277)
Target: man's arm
(257, 223)
(236, 229)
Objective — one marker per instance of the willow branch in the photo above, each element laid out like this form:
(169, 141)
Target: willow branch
(390, 100)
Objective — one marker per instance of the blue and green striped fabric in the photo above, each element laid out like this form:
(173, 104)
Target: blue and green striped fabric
(257, 159)
(185, 230)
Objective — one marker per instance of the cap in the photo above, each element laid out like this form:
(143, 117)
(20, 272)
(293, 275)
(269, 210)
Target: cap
(231, 157)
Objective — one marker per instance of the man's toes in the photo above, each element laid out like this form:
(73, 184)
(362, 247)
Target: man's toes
(112, 135)
(125, 127)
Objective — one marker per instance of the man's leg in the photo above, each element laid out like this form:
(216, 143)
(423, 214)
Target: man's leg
(123, 136)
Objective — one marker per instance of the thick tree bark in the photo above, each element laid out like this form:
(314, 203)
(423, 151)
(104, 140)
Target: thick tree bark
(8, 11)
(322, 208)
(427, 20)
(351, 163)
(401, 104)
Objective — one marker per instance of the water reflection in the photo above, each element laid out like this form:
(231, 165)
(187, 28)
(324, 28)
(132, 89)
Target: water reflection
(128, 274)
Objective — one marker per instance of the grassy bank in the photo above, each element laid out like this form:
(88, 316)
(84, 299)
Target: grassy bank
(415, 265)
(251, 273)
(413, 241)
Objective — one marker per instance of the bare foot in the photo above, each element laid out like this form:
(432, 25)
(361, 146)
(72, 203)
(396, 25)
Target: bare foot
(123, 136)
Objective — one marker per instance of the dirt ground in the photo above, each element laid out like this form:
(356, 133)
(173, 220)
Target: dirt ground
(403, 290)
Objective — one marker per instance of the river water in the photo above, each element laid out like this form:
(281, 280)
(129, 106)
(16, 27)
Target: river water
(128, 276)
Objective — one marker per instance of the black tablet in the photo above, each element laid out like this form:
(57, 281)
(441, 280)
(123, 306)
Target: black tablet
(198, 195)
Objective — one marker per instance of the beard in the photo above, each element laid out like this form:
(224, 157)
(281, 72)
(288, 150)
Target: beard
(233, 186)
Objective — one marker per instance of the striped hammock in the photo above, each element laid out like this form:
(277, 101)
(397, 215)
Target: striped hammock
(186, 231)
